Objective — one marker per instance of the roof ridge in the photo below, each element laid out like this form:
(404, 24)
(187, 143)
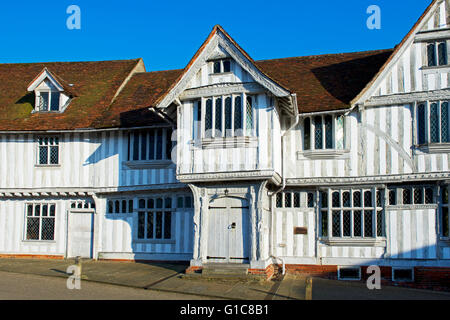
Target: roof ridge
(328, 54)
(53, 62)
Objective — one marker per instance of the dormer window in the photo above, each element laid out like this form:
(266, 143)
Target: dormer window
(52, 94)
(437, 54)
(48, 101)
(221, 66)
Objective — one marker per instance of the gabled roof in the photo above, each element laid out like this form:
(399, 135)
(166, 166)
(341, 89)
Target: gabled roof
(326, 82)
(220, 36)
(95, 84)
(397, 52)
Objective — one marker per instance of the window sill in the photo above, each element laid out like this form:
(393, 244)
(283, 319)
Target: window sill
(433, 148)
(354, 242)
(221, 73)
(156, 241)
(435, 68)
(47, 166)
(39, 241)
(225, 143)
(152, 164)
(322, 154)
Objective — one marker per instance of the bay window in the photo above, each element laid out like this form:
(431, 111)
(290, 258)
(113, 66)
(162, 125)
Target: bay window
(224, 116)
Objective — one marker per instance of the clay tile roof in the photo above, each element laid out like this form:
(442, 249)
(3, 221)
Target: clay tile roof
(141, 92)
(94, 86)
(326, 82)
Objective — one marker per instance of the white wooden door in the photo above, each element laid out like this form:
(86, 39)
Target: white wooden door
(228, 231)
(80, 234)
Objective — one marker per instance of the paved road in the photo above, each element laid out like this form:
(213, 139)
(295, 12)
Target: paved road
(15, 286)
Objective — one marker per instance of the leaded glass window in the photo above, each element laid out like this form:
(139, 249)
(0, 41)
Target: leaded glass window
(40, 221)
(48, 150)
(421, 124)
(228, 117)
(307, 134)
(445, 219)
(237, 115)
(431, 52)
(249, 115)
(445, 137)
(433, 118)
(208, 118)
(218, 120)
(147, 145)
(155, 220)
(329, 132)
(434, 123)
(318, 132)
(442, 52)
(354, 216)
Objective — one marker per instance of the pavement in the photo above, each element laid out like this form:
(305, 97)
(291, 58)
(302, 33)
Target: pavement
(166, 281)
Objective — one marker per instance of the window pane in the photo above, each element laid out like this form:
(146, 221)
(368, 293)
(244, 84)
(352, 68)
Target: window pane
(141, 225)
(429, 195)
(368, 224)
(279, 203)
(347, 223)
(208, 118)
(188, 202)
(141, 203)
(48, 229)
(434, 123)
(297, 200)
(151, 146)
(249, 115)
(237, 115)
(54, 155)
(150, 225)
(143, 146)
(30, 210)
(218, 121)
(421, 127)
(159, 203)
(124, 206)
(167, 225)
(336, 224)
(445, 137)
(130, 206)
(43, 103)
(110, 207)
(418, 195)
(357, 199)
(216, 67)
(44, 210)
(168, 203)
(310, 200)
(392, 197)
(406, 196)
(226, 66)
(336, 200)
(324, 197)
(228, 117)
(32, 228)
(346, 199)
(43, 155)
(328, 132)
(445, 195)
(135, 146)
(445, 222)
(159, 226)
(307, 134)
(52, 210)
(357, 230)
(442, 48)
(150, 203)
(367, 198)
(159, 144)
(288, 200)
(431, 50)
(324, 223)
(55, 101)
(380, 225)
(180, 202)
(318, 135)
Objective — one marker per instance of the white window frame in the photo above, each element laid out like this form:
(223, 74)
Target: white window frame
(38, 99)
(146, 210)
(312, 133)
(328, 211)
(41, 218)
(48, 146)
(436, 53)
(223, 134)
(221, 61)
(427, 124)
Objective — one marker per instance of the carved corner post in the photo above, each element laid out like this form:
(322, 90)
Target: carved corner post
(260, 221)
(200, 208)
(99, 213)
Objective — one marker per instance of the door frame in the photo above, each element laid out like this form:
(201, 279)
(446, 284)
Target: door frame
(245, 231)
(80, 211)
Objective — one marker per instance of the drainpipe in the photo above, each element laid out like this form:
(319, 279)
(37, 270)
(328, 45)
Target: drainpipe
(272, 194)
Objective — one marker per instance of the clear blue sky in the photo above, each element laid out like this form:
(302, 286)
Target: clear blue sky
(167, 33)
